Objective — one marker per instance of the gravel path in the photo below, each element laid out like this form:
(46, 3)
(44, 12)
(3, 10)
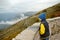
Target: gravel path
(28, 34)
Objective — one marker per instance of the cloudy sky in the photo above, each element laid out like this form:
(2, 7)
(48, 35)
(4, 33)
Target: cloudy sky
(25, 5)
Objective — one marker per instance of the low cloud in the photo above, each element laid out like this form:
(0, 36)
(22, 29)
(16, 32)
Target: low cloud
(25, 5)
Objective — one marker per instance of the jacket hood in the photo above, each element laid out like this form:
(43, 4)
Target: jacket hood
(42, 16)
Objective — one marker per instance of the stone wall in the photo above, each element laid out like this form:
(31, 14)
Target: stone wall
(54, 25)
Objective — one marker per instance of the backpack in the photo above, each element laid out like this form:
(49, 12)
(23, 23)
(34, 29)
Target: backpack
(42, 29)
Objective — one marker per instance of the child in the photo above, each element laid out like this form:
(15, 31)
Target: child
(44, 27)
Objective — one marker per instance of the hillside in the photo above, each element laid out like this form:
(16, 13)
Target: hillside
(17, 28)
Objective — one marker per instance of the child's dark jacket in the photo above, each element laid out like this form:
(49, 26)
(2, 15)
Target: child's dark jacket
(47, 33)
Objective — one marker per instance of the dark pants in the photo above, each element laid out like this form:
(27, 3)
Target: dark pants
(46, 39)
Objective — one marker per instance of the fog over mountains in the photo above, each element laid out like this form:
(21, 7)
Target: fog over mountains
(7, 19)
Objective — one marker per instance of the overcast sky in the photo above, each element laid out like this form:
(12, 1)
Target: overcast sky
(25, 5)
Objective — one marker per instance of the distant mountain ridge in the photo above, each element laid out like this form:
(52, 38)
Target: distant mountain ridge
(14, 16)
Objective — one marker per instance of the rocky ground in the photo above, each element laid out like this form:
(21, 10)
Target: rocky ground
(55, 37)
